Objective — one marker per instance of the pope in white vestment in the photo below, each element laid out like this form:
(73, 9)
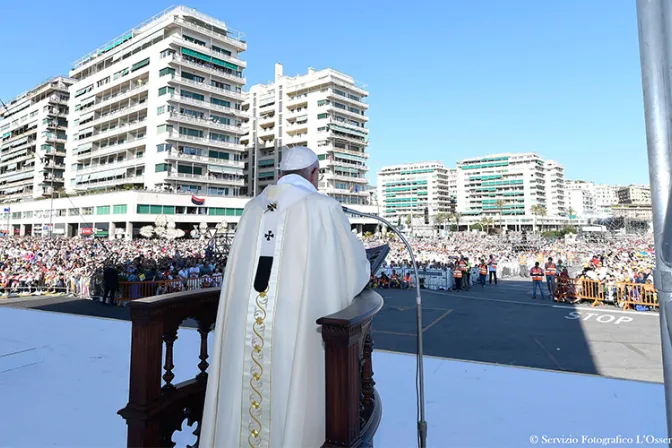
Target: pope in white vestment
(294, 259)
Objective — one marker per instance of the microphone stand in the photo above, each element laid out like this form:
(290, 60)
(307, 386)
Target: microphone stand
(420, 381)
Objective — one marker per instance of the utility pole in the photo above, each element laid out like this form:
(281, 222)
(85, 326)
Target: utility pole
(654, 18)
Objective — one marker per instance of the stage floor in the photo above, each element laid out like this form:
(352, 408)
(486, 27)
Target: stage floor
(63, 378)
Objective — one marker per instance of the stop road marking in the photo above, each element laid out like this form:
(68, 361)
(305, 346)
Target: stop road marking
(601, 318)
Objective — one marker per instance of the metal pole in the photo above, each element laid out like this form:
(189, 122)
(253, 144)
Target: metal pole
(655, 30)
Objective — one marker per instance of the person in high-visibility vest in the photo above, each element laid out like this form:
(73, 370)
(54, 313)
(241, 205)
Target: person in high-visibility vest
(457, 276)
(537, 275)
(466, 273)
(482, 272)
(550, 276)
(492, 267)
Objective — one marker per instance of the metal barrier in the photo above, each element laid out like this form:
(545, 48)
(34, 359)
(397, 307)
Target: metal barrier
(622, 294)
(139, 290)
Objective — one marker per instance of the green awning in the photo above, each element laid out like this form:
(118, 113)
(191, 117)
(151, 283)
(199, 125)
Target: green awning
(196, 54)
(6, 134)
(350, 157)
(140, 64)
(225, 64)
(348, 130)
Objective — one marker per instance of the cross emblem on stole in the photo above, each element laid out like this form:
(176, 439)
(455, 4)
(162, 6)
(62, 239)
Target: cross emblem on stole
(269, 235)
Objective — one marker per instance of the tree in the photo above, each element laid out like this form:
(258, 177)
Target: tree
(500, 208)
(487, 223)
(408, 220)
(538, 210)
(456, 217)
(440, 220)
(571, 212)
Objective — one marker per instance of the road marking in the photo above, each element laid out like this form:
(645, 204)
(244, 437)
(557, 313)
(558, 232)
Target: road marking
(601, 318)
(548, 353)
(436, 320)
(548, 305)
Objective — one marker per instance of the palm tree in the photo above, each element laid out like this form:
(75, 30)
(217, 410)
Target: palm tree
(487, 223)
(500, 207)
(536, 211)
(570, 212)
(456, 216)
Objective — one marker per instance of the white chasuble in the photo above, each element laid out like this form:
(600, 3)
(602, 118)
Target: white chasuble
(293, 260)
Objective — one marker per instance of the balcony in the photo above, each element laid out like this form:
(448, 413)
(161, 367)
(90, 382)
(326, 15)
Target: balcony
(203, 86)
(238, 44)
(174, 155)
(335, 163)
(116, 114)
(179, 40)
(204, 141)
(333, 135)
(55, 99)
(50, 165)
(362, 154)
(123, 180)
(155, 411)
(127, 163)
(344, 99)
(117, 96)
(333, 176)
(123, 129)
(205, 178)
(333, 190)
(349, 114)
(102, 151)
(207, 68)
(190, 119)
(186, 100)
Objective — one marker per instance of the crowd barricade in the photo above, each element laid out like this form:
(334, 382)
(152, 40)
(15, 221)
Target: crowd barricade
(21, 286)
(623, 294)
(139, 290)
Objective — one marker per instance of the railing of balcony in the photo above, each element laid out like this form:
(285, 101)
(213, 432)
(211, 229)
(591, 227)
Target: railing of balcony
(195, 102)
(210, 68)
(156, 408)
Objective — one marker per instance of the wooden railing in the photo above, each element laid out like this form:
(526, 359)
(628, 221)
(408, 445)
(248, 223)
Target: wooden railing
(155, 411)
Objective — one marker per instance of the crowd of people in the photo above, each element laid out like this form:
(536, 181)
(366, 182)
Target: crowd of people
(628, 258)
(37, 265)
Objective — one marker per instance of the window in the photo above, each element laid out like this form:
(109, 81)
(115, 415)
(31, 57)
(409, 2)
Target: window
(164, 90)
(168, 209)
(218, 119)
(103, 210)
(139, 65)
(163, 147)
(340, 106)
(192, 113)
(155, 209)
(120, 73)
(352, 109)
(188, 94)
(103, 81)
(322, 129)
(322, 116)
(191, 39)
(86, 89)
(119, 209)
(87, 210)
(219, 137)
(143, 209)
(167, 71)
(188, 169)
(192, 77)
(161, 167)
(164, 128)
(220, 102)
(218, 191)
(221, 50)
(160, 110)
(191, 132)
(218, 155)
(322, 103)
(339, 92)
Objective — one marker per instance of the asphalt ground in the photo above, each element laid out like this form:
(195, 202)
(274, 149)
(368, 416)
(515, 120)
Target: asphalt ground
(497, 324)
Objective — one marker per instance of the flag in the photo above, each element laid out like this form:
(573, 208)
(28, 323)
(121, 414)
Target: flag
(196, 200)
(6, 210)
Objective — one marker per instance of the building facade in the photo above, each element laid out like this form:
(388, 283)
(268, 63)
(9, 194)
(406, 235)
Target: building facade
(518, 182)
(160, 107)
(406, 190)
(606, 196)
(324, 110)
(635, 194)
(32, 141)
(581, 198)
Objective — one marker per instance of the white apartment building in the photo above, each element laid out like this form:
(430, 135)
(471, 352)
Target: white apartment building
(452, 188)
(406, 190)
(581, 198)
(32, 141)
(519, 180)
(324, 110)
(606, 196)
(160, 107)
(635, 194)
(556, 198)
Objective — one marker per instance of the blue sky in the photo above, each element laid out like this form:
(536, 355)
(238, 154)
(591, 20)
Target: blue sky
(447, 79)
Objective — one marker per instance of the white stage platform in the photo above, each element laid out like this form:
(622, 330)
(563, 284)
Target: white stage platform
(64, 377)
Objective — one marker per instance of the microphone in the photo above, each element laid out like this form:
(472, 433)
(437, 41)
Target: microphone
(420, 382)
